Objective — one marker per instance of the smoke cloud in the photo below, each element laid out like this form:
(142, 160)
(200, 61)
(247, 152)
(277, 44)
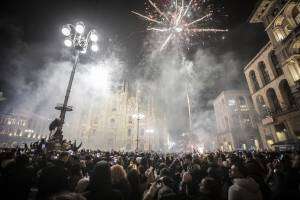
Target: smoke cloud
(170, 75)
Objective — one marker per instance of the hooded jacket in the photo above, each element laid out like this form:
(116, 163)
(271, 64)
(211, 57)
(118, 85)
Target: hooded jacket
(244, 189)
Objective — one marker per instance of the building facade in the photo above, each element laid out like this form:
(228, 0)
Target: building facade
(236, 121)
(123, 118)
(273, 75)
(18, 129)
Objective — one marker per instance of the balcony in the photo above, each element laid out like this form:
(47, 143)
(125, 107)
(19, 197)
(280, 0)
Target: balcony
(285, 110)
(270, 116)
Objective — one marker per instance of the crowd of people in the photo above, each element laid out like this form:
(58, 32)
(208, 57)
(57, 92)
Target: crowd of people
(95, 175)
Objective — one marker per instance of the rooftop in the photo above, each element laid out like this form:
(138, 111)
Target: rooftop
(260, 8)
(231, 92)
(258, 54)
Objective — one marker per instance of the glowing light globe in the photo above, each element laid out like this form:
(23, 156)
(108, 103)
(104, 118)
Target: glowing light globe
(94, 36)
(79, 28)
(68, 42)
(94, 47)
(66, 31)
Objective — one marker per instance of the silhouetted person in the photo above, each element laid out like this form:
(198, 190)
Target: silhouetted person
(100, 186)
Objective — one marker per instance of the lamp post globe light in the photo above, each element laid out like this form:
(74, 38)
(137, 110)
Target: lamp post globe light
(79, 40)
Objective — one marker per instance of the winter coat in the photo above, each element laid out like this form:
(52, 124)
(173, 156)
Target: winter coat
(244, 189)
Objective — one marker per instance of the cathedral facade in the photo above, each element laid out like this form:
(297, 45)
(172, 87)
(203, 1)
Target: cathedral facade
(128, 119)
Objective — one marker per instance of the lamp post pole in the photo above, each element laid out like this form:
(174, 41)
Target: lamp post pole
(65, 105)
(138, 128)
(149, 143)
(138, 117)
(76, 39)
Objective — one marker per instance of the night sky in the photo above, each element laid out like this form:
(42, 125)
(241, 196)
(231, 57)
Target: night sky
(30, 33)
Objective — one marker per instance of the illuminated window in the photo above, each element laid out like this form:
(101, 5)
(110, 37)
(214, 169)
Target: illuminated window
(296, 47)
(244, 146)
(231, 102)
(294, 70)
(292, 12)
(279, 34)
(281, 136)
(270, 142)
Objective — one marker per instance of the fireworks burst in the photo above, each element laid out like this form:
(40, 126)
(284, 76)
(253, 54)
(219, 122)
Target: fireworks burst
(176, 20)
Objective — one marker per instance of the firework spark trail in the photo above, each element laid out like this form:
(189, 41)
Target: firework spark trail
(158, 29)
(147, 18)
(186, 10)
(199, 30)
(177, 21)
(166, 41)
(199, 20)
(158, 10)
(178, 16)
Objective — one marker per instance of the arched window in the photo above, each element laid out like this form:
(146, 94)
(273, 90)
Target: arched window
(275, 62)
(295, 47)
(280, 31)
(264, 72)
(294, 69)
(255, 85)
(286, 93)
(261, 105)
(297, 15)
(273, 100)
(292, 13)
(279, 34)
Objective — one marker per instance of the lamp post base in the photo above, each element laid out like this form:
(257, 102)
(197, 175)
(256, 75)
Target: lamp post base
(55, 141)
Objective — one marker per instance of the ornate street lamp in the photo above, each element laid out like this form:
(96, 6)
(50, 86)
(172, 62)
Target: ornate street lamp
(138, 116)
(77, 38)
